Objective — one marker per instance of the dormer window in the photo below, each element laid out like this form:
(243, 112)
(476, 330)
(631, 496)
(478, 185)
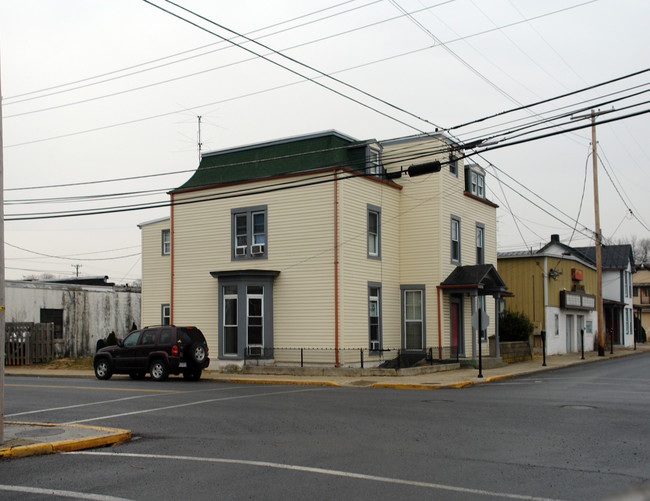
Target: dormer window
(475, 180)
(374, 161)
(477, 186)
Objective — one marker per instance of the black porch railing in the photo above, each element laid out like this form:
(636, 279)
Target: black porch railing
(387, 357)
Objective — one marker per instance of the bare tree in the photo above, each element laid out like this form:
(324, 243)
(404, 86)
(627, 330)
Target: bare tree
(39, 276)
(640, 248)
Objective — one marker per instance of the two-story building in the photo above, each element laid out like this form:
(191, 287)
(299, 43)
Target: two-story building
(556, 288)
(326, 247)
(641, 296)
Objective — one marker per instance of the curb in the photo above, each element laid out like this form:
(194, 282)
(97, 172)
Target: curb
(417, 386)
(114, 436)
(283, 381)
(492, 379)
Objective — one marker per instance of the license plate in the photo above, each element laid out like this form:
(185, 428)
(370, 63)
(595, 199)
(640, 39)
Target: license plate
(182, 364)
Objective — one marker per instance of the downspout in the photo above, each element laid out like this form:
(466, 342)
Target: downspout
(171, 256)
(336, 270)
(439, 326)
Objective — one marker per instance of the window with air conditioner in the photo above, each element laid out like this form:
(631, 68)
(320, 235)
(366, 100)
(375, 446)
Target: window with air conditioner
(249, 232)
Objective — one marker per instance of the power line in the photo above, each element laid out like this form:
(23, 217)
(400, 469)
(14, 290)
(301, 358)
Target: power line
(146, 63)
(185, 171)
(295, 72)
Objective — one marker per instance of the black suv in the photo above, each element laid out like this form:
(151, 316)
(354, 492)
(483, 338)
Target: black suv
(161, 351)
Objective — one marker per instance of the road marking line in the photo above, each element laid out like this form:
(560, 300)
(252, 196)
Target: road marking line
(324, 471)
(78, 405)
(88, 404)
(92, 388)
(57, 492)
(189, 404)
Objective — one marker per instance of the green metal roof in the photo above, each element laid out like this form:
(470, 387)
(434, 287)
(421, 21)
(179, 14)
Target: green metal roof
(275, 158)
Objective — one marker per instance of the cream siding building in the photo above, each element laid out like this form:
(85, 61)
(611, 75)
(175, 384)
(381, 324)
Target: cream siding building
(156, 271)
(325, 244)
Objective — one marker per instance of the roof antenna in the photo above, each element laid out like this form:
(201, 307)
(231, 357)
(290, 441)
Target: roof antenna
(199, 142)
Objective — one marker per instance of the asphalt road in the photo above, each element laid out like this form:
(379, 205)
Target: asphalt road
(572, 434)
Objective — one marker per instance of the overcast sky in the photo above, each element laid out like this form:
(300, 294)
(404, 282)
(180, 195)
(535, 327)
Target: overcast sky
(106, 90)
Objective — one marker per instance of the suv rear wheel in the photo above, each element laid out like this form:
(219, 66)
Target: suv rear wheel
(103, 369)
(158, 370)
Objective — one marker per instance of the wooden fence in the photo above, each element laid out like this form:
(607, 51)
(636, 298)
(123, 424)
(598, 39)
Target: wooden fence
(27, 343)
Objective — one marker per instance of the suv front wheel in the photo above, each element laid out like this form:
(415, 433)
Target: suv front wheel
(103, 369)
(158, 370)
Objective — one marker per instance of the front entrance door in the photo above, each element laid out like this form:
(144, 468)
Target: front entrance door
(413, 315)
(457, 341)
(569, 334)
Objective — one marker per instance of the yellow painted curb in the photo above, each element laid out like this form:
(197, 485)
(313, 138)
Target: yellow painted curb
(491, 379)
(283, 381)
(418, 386)
(113, 436)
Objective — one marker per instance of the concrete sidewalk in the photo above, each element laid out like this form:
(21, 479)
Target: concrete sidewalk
(425, 377)
(23, 439)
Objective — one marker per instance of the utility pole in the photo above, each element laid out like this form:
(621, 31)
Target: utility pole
(77, 266)
(2, 283)
(599, 254)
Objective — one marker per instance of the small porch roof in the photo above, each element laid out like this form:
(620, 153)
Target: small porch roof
(479, 280)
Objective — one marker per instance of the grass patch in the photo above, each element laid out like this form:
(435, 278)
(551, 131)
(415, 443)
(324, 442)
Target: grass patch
(67, 363)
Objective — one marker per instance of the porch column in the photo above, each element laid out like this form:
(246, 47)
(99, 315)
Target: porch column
(497, 300)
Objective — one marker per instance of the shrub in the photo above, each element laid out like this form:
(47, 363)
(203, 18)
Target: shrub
(514, 326)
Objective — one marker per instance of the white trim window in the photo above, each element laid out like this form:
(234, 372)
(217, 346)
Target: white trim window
(477, 184)
(165, 314)
(166, 242)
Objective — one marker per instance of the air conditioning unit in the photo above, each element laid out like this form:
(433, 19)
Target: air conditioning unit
(255, 351)
(374, 345)
(240, 250)
(257, 249)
